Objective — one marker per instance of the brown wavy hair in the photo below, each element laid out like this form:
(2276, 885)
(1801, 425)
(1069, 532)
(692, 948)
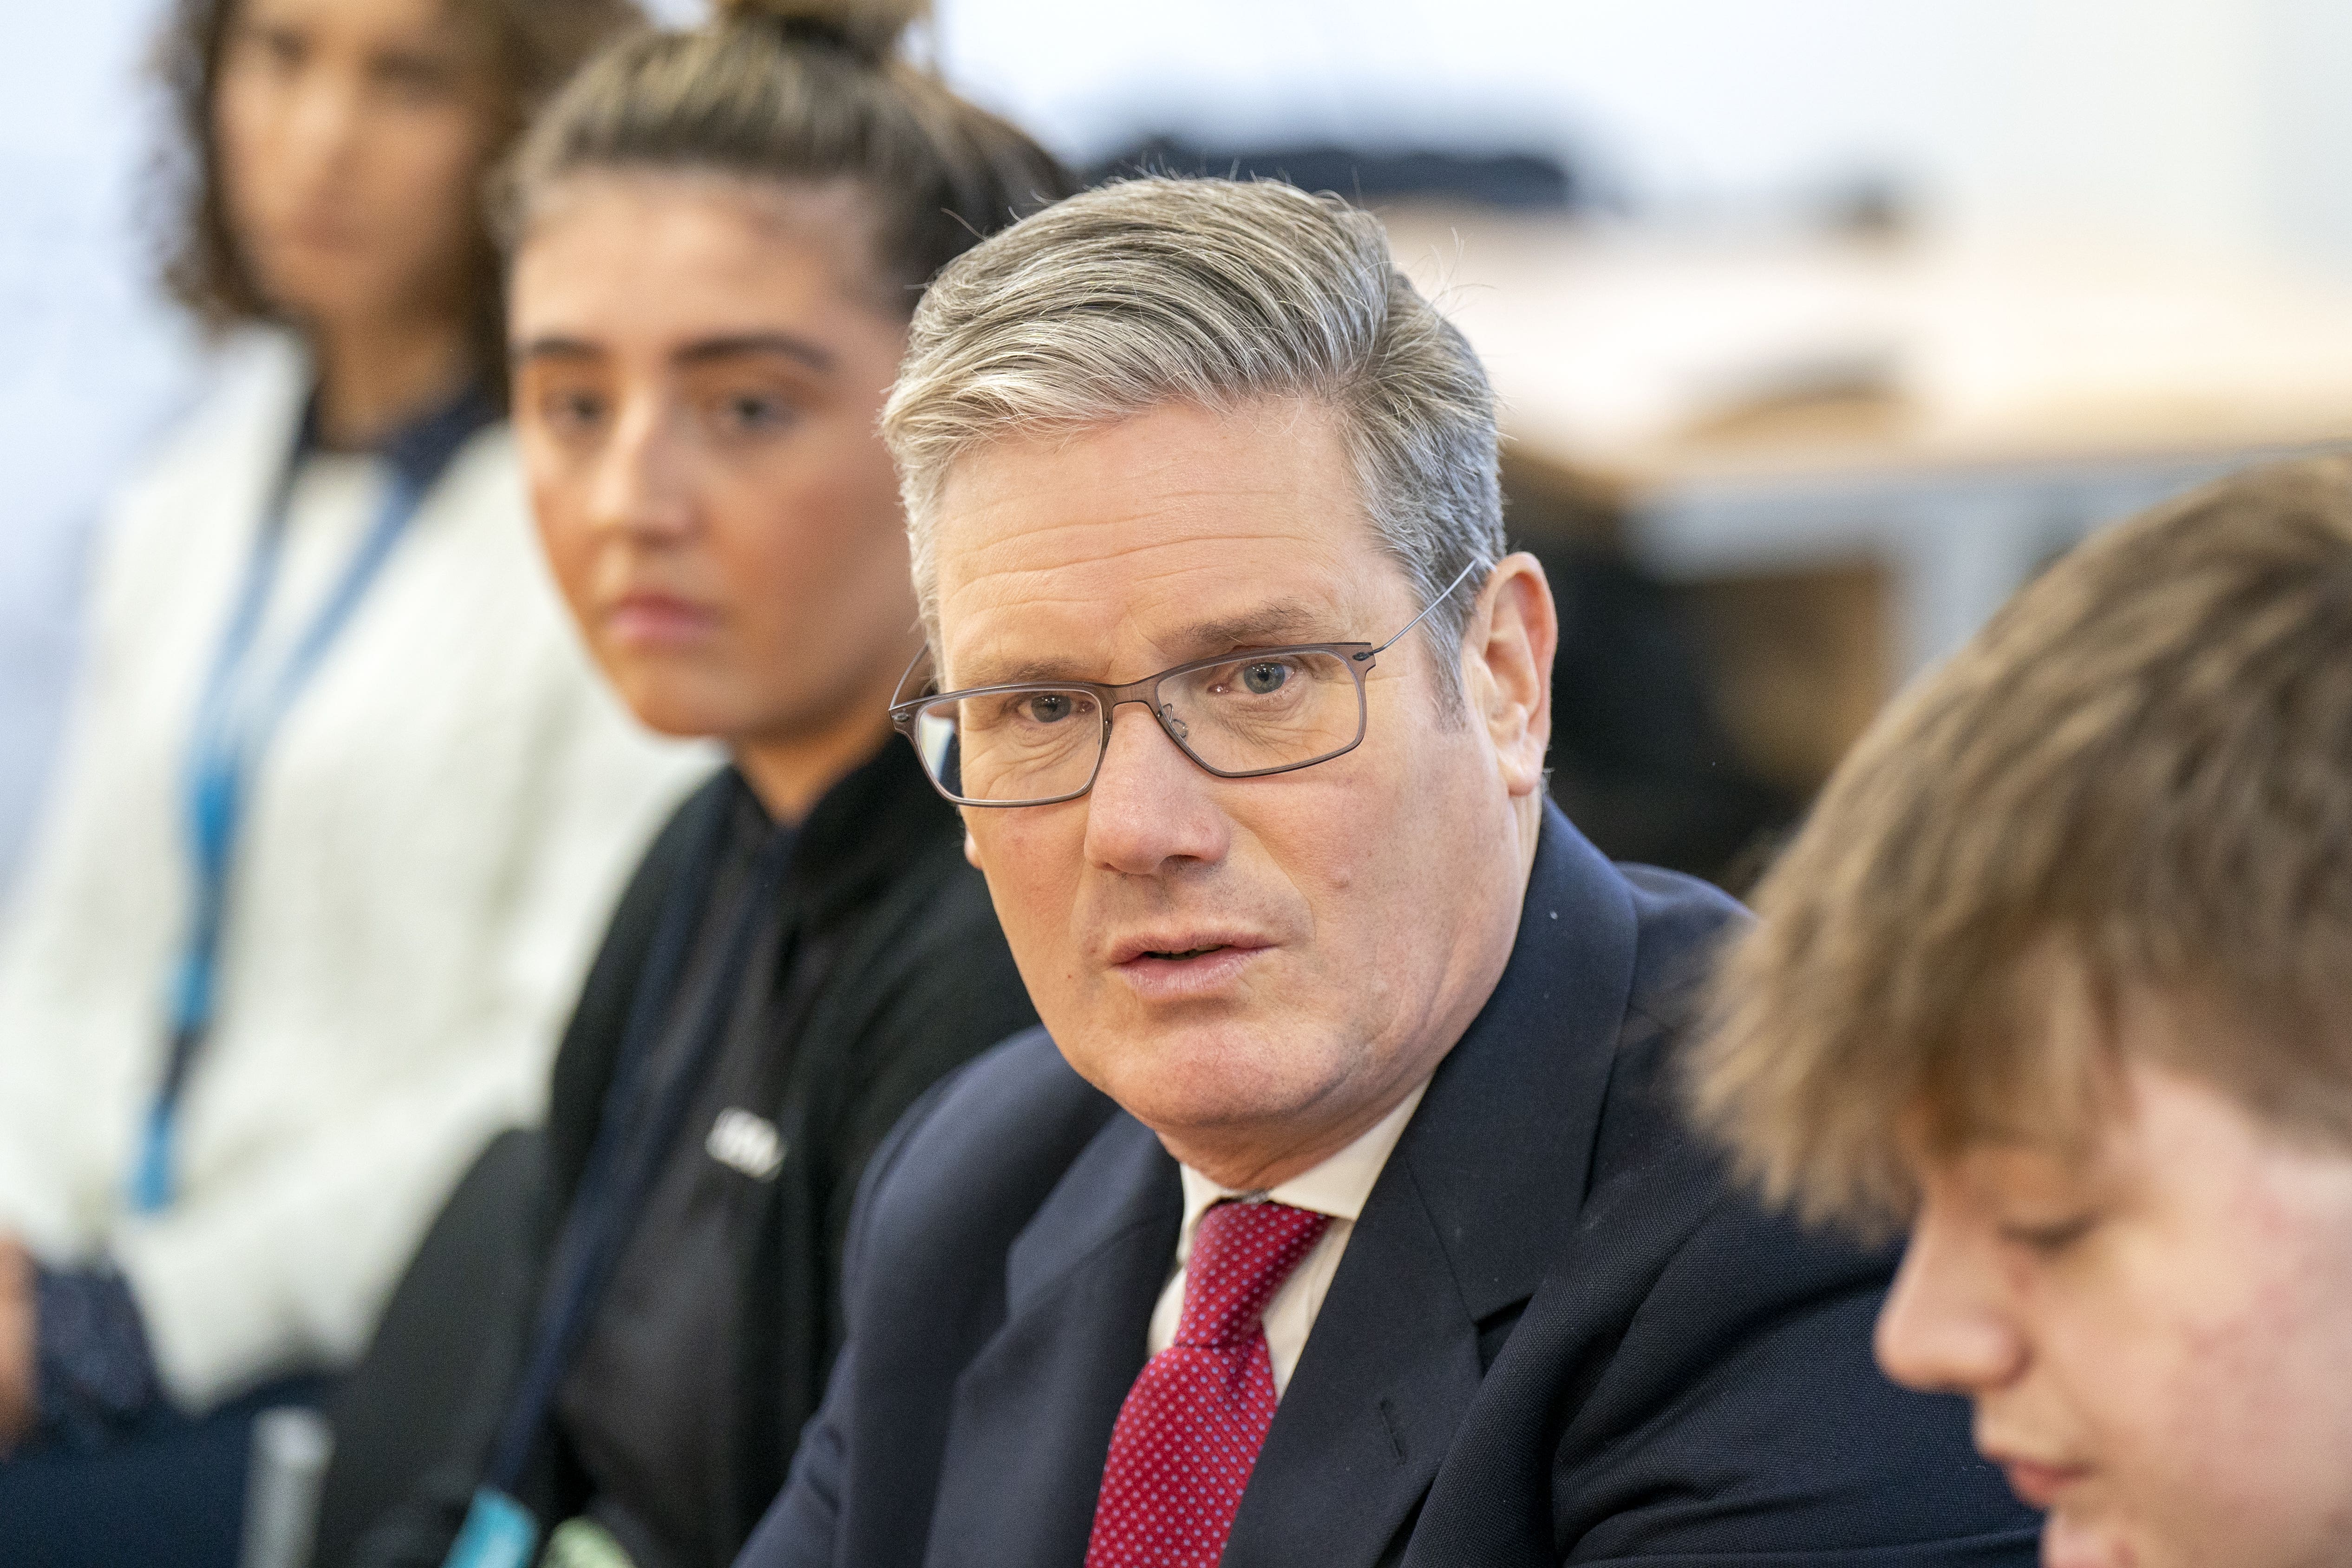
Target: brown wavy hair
(537, 45)
(2138, 776)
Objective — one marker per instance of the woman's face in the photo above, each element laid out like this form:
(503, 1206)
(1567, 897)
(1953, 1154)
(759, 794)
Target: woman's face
(2157, 1332)
(352, 135)
(699, 364)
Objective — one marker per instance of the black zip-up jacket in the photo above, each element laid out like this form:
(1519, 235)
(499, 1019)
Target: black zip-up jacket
(916, 980)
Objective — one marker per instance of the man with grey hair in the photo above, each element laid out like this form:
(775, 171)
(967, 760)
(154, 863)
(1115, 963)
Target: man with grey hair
(1337, 1216)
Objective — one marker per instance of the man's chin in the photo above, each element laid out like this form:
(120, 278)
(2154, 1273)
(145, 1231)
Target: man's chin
(1202, 1074)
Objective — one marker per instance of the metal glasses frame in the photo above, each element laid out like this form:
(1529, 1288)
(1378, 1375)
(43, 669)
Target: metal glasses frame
(1356, 657)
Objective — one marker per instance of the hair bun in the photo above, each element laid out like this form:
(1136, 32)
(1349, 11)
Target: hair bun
(869, 28)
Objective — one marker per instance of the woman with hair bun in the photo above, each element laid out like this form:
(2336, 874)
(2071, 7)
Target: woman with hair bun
(343, 805)
(718, 237)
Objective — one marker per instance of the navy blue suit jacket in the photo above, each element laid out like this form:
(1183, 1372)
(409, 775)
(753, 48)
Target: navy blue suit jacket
(1555, 1335)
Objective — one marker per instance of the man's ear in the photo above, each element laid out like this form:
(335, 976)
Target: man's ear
(1506, 652)
(971, 850)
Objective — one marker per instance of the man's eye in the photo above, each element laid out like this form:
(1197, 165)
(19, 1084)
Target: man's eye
(1048, 707)
(1264, 677)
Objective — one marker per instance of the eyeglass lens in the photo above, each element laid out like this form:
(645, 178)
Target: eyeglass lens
(1253, 714)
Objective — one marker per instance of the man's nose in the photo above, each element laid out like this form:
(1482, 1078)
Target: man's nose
(640, 484)
(1150, 806)
(1947, 1326)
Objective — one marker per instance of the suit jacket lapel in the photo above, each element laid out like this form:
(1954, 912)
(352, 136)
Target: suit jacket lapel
(1385, 1377)
(1502, 1144)
(1034, 1410)
(1477, 1200)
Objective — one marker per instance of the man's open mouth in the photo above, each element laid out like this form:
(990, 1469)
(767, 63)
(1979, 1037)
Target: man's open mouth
(1188, 953)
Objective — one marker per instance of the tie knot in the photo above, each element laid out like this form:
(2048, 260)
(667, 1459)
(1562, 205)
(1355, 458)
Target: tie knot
(1242, 1252)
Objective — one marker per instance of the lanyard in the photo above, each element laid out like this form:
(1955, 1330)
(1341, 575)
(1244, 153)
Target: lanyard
(236, 719)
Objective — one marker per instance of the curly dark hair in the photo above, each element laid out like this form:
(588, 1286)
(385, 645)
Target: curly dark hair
(537, 45)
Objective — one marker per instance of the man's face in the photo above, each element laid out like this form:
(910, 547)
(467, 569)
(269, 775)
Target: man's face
(2155, 1333)
(1257, 968)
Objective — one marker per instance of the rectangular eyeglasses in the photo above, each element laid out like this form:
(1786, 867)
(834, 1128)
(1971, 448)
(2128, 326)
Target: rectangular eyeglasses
(1238, 715)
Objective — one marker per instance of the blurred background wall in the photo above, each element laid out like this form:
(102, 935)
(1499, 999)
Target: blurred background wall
(91, 361)
(2195, 129)
(2199, 122)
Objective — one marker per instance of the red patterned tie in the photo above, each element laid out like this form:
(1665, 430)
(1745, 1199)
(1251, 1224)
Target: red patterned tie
(1190, 1431)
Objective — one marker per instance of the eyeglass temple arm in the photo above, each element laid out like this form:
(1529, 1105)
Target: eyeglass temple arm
(898, 692)
(1369, 654)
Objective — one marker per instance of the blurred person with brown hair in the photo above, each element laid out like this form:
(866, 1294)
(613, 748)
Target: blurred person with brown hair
(719, 235)
(343, 803)
(2058, 977)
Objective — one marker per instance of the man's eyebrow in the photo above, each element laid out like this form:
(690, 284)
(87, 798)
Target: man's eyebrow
(1284, 621)
(1268, 626)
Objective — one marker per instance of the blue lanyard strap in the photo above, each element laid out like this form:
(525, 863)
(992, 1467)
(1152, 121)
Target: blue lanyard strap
(239, 717)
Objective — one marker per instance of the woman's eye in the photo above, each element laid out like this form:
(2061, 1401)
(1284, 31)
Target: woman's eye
(416, 79)
(572, 413)
(1264, 677)
(752, 413)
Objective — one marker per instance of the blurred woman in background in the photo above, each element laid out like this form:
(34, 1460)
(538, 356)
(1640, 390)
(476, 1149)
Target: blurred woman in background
(344, 806)
(720, 236)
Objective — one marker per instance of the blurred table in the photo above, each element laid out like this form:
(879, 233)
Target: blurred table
(1954, 414)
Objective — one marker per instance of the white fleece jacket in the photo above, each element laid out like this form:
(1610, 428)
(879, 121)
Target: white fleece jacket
(432, 847)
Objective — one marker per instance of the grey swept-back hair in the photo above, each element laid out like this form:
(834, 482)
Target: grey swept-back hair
(1212, 293)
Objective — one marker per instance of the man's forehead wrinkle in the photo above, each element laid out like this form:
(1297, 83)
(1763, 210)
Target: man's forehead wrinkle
(1188, 517)
(1164, 488)
(1031, 548)
(1108, 564)
(1186, 567)
(1123, 564)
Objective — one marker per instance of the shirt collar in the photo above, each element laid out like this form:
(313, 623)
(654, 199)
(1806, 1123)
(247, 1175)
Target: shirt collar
(422, 449)
(1339, 1186)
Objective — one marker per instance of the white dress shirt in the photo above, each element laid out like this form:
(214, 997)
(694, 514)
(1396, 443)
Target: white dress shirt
(1337, 1187)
